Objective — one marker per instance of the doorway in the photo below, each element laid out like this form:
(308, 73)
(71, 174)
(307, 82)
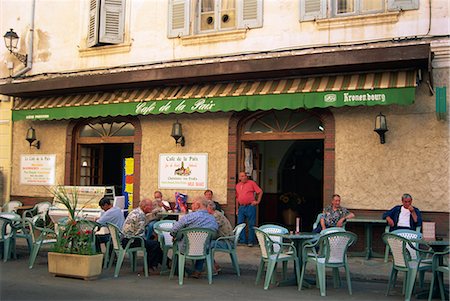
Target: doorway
(290, 159)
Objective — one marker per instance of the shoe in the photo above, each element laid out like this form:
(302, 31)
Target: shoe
(250, 245)
(217, 268)
(215, 272)
(153, 271)
(196, 274)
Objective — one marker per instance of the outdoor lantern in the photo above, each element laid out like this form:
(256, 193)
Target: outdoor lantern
(177, 133)
(11, 39)
(320, 127)
(31, 137)
(381, 127)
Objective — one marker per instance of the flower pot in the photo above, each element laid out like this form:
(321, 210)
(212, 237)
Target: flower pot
(87, 267)
(289, 216)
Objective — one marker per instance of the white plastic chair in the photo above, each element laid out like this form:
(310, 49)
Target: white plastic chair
(162, 229)
(11, 206)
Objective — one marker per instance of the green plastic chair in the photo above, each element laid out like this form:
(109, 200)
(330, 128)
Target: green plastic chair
(273, 253)
(331, 254)
(121, 251)
(229, 246)
(7, 237)
(387, 249)
(275, 233)
(162, 229)
(39, 237)
(40, 209)
(194, 244)
(404, 260)
(438, 268)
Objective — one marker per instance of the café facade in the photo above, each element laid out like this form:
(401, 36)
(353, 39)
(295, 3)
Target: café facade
(301, 124)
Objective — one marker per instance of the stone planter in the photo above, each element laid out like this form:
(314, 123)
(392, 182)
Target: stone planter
(86, 267)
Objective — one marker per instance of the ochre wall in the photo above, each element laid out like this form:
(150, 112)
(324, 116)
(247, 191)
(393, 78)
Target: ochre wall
(204, 133)
(414, 159)
(52, 135)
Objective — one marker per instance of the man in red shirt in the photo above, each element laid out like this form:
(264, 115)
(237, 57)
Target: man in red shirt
(248, 196)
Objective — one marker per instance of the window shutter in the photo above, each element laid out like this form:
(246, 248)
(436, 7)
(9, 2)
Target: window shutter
(93, 22)
(112, 21)
(250, 13)
(394, 5)
(178, 18)
(313, 9)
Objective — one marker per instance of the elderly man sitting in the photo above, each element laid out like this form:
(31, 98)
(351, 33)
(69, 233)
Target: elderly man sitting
(199, 218)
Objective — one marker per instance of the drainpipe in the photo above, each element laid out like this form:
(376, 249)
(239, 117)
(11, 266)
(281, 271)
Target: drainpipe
(30, 44)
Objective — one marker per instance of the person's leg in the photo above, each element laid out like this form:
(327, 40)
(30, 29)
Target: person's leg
(241, 219)
(251, 218)
(154, 253)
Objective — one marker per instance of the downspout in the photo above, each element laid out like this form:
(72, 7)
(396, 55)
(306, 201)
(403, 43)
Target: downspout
(29, 63)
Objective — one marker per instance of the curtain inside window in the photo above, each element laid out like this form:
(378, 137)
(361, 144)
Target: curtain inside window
(345, 6)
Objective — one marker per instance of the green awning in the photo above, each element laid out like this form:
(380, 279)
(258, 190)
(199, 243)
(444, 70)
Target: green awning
(317, 92)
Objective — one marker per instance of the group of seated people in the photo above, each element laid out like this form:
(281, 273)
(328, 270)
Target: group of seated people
(404, 216)
(140, 222)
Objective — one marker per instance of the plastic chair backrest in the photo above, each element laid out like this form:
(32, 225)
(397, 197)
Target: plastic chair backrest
(42, 208)
(237, 232)
(277, 230)
(398, 246)
(11, 206)
(115, 236)
(196, 241)
(332, 230)
(5, 226)
(336, 245)
(163, 228)
(263, 239)
(409, 234)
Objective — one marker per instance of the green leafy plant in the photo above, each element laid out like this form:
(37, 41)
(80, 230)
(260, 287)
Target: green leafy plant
(74, 235)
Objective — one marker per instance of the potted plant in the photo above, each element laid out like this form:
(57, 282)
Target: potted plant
(289, 203)
(74, 253)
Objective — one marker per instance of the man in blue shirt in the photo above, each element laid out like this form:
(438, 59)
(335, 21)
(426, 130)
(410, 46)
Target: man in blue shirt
(199, 218)
(403, 216)
(113, 215)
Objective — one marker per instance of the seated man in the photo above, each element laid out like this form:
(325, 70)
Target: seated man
(403, 216)
(334, 215)
(209, 196)
(153, 217)
(225, 229)
(134, 225)
(113, 215)
(199, 218)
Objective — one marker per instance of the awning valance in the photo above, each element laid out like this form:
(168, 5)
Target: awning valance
(384, 88)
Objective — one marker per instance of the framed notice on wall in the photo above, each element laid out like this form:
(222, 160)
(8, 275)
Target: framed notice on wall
(183, 171)
(37, 169)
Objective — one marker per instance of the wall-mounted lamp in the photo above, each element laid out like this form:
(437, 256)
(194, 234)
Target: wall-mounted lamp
(11, 40)
(31, 137)
(381, 127)
(320, 127)
(177, 133)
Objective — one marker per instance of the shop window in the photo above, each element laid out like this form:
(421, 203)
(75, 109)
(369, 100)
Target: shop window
(283, 121)
(323, 9)
(106, 22)
(210, 16)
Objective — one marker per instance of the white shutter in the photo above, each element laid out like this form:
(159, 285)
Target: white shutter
(394, 5)
(249, 13)
(112, 21)
(313, 9)
(93, 22)
(179, 12)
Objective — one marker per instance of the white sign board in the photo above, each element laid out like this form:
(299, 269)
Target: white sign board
(37, 169)
(183, 171)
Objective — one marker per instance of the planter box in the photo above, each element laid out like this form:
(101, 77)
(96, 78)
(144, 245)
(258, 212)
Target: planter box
(86, 267)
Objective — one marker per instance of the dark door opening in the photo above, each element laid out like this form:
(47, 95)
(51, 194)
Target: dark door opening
(102, 164)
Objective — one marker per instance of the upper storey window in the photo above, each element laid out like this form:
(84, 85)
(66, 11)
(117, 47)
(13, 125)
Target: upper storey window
(323, 9)
(194, 17)
(106, 22)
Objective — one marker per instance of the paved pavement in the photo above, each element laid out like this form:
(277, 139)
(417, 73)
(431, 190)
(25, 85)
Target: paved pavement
(369, 280)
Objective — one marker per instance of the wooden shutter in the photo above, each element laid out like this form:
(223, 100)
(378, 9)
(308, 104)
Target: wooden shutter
(394, 5)
(179, 16)
(249, 13)
(93, 22)
(313, 9)
(112, 21)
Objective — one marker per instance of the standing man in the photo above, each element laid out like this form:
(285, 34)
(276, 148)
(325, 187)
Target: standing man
(134, 225)
(403, 216)
(248, 196)
(199, 218)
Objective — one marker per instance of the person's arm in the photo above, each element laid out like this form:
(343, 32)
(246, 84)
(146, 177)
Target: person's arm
(259, 194)
(341, 222)
(322, 223)
(388, 217)
(416, 216)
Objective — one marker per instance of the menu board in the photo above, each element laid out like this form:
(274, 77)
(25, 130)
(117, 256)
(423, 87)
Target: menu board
(37, 169)
(183, 171)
